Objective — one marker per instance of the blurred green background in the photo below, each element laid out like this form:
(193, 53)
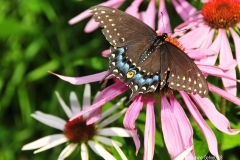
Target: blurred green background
(35, 37)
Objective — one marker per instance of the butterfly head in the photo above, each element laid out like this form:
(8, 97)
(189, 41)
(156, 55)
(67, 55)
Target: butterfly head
(164, 36)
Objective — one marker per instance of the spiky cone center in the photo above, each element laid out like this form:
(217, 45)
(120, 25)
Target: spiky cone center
(78, 131)
(221, 13)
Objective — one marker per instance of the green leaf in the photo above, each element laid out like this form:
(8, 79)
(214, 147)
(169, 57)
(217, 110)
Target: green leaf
(230, 141)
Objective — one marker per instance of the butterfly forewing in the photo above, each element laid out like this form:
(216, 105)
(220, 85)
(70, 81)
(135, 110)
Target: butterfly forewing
(120, 29)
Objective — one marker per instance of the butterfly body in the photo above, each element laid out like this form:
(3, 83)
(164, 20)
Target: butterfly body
(144, 60)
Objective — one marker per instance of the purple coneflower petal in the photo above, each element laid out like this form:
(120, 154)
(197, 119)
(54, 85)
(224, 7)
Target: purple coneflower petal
(91, 26)
(224, 94)
(236, 41)
(133, 8)
(218, 120)
(150, 129)
(184, 9)
(67, 150)
(199, 54)
(225, 57)
(87, 13)
(216, 47)
(197, 36)
(106, 95)
(150, 14)
(206, 130)
(208, 40)
(109, 93)
(49, 120)
(105, 53)
(111, 110)
(82, 80)
(184, 154)
(186, 129)
(215, 71)
(176, 138)
(130, 118)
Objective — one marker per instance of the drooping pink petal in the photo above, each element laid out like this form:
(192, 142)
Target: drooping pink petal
(109, 93)
(184, 9)
(218, 120)
(225, 57)
(150, 129)
(228, 65)
(216, 47)
(163, 18)
(150, 14)
(82, 80)
(111, 110)
(105, 53)
(215, 71)
(130, 118)
(187, 25)
(208, 40)
(224, 94)
(206, 130)
(184, 123)
(195, 38)
(236, 40)
(171, 128)
(91, 26)
(199, 54)
(184, 154)
(133, 8)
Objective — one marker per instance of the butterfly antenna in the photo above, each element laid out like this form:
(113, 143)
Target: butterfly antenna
(163, 23)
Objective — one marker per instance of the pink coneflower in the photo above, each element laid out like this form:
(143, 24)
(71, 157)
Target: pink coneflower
(77, 132)
(177, 130)
(211, 28)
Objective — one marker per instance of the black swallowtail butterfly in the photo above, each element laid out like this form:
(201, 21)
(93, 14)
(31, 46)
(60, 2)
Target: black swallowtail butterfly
(145, 60)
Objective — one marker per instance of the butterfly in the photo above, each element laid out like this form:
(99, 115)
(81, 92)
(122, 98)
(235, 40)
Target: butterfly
(144, 60)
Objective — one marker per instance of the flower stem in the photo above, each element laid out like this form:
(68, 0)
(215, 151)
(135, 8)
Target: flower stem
(223, 111)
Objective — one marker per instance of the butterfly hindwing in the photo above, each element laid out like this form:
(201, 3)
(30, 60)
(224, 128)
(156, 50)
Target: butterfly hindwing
(183, 73)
